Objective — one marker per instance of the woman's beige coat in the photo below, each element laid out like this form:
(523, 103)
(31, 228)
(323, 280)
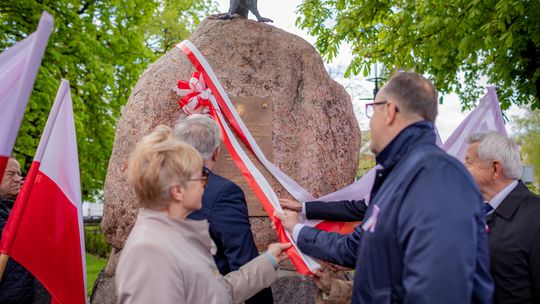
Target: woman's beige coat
(166, 260)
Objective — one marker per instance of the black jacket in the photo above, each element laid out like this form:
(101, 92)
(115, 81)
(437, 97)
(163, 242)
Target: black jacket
(339, 211)
(514, 245)
(17, 284)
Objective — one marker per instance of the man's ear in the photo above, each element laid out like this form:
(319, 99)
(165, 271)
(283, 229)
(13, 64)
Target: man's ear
(497, 169)
(391, 112)
(216, 153)
(177, 192)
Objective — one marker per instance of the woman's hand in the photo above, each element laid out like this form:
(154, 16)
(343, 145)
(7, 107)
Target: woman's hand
(277, 250)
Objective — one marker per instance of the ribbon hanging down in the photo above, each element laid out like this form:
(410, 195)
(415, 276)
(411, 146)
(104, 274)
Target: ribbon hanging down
(358, 190)
(258, 183)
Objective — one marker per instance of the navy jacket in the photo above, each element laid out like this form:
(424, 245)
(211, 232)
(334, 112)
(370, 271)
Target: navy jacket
(225, 208)
(514, 244)
(423, 239)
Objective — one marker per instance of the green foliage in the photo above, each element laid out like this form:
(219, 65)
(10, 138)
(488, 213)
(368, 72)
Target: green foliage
(94, 265)
(452, 41)
(366, 161)
(101, 47)
(95, 242)
(528, 137)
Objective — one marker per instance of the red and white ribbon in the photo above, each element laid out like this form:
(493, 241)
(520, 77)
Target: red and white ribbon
(260, 186)
(358, 190)
(195, 95)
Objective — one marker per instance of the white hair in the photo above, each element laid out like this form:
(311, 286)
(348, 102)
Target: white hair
(201, 132)
(494, 146)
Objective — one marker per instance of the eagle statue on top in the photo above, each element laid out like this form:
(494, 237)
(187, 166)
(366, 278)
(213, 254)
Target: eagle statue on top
(242, 8)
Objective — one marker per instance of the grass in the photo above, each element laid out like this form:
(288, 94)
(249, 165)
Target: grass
(94, 265)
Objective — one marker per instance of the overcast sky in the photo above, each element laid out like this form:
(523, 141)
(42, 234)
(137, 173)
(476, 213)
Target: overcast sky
(283, 12)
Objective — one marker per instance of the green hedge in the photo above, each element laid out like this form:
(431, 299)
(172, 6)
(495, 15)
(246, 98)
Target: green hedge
(94, 241)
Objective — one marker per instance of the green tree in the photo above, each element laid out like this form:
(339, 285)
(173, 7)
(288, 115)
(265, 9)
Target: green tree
(101, 47)
(366, 161)
(454, 42)
(528, 137)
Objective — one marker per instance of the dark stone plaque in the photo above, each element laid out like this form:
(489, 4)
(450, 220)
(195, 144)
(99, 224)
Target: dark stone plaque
(257, 116)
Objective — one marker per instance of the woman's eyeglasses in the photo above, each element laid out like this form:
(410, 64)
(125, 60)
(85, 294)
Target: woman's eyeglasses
(203, 179)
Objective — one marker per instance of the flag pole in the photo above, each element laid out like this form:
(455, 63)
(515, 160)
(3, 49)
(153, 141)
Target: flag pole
(3, 263)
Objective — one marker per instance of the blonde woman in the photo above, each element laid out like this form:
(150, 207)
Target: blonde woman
(166, 258)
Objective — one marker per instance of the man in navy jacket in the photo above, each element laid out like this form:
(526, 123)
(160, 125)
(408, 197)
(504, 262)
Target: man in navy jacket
(223, 203)
(423, 238)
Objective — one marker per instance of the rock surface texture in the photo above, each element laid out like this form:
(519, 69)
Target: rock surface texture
(314, 133)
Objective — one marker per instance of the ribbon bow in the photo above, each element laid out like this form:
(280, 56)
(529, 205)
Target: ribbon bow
(194, 95)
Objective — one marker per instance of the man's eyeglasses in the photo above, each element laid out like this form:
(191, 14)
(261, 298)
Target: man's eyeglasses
(203, 179)
(369, 107)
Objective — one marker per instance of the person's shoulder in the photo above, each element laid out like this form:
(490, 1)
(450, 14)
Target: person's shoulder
(533, 197)
(218, 182)
(532, 200)
(437, 157)
(143, 250)
(436, 162)
(432, 157)
(152, 232)
(529, 208)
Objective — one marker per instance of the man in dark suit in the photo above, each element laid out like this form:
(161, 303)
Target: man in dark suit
(513, 214)
(423, 239)
(223, 202)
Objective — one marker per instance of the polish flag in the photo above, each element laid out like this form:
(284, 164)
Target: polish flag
(19, 66)
(44, 232)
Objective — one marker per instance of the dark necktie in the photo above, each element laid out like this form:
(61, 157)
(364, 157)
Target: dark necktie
(487, 208)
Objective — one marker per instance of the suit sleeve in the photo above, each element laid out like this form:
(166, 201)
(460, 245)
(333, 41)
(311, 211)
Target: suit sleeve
(438, 230)
(243, 283)
(230, 222)
(339, 211)
(330, 246)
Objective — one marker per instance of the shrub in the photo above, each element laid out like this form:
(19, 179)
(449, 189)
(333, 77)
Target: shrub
(95, 242)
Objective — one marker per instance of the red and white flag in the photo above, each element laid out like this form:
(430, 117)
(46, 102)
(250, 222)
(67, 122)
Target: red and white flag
(44, 232)
(19, 66)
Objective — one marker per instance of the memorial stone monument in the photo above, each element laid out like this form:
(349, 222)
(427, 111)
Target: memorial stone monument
(302, 120)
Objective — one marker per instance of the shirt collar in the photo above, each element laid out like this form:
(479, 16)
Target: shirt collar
(416, 134)
(499, 197)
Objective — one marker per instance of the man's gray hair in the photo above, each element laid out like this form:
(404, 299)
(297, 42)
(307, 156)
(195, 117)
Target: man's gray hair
(494, 146)
(201, 132)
